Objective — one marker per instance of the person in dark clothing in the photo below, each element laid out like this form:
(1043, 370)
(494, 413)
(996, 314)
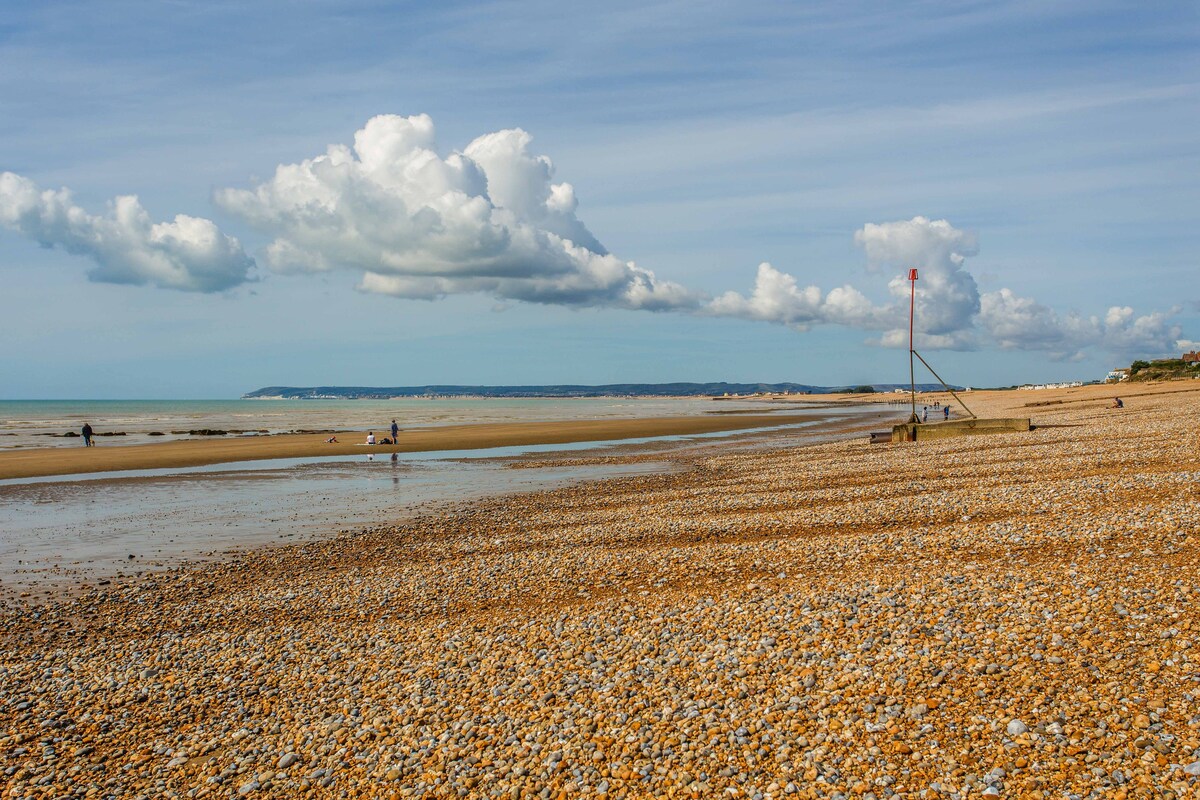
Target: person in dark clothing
(87, 434)
(395, 430)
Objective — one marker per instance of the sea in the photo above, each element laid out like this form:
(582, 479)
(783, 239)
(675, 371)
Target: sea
(45, 423)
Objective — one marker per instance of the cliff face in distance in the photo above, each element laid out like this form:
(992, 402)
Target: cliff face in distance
(569, 390)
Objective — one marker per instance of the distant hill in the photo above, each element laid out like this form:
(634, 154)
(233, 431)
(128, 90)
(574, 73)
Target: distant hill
(566, 390)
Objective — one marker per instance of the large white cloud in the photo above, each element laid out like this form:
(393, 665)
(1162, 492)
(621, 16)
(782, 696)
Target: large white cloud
(419, 225)
(189, 254)
(947, 295)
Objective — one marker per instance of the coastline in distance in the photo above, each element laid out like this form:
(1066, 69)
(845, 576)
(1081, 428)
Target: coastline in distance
(715, 389)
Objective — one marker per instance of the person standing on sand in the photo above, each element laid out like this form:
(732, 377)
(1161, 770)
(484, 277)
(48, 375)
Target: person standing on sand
(87, 434)
(946, 410)
(395, 431)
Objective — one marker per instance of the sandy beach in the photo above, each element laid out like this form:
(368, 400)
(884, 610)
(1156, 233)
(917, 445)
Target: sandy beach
(187, 453)
(1010, 615)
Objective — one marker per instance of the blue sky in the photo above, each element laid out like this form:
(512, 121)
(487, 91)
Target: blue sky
(700, 140)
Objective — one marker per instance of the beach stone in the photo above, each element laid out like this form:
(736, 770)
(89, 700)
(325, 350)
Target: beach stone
(634, 638)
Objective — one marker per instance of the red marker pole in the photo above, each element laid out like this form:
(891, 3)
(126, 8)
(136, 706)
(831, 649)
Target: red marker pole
(912, 380)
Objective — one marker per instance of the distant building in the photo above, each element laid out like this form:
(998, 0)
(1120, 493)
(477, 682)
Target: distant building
(1117, 375)
(1064, 385)
(1191, 358)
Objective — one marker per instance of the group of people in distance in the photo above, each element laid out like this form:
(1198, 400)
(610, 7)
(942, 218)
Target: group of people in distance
(925, 411)
(386, 440)
(371, 439)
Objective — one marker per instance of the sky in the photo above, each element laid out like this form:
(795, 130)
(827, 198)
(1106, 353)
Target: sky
(199, 199)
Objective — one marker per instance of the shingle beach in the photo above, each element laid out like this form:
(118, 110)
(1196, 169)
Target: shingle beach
(1012, 616)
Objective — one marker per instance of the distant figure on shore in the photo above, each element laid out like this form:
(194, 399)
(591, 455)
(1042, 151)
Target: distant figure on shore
(946, 411)
(331, 440)
(1117, 403)
(924, 413)
(371, 437)
(395, 431)
(87, 434)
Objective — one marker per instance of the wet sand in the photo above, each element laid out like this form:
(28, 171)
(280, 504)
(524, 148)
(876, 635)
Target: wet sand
(58, 534)
(1011, 616)
(82, 460)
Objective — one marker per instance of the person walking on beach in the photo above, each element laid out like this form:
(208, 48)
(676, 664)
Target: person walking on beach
(87, 434)
(395, 431)
(946, 411)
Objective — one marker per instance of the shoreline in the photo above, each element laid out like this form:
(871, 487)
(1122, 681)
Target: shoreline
(145, 524)
(46, 462)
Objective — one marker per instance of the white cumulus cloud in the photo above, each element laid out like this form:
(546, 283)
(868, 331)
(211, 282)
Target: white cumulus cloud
(947, 296)
(189, 254)
(951, 313)
(417, 224)
(1022, 323)
(777, 297)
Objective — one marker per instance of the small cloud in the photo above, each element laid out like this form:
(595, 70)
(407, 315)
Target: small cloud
(188, 254)
(778, 298)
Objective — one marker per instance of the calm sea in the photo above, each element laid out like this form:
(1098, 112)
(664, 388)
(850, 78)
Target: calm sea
(41, 423)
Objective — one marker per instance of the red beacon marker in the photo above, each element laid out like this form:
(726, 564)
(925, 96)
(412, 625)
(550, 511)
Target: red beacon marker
(912, 380)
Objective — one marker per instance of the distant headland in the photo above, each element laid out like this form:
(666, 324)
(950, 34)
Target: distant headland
(719, 389)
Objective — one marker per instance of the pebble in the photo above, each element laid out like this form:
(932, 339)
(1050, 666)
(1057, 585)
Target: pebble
(842, 620)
